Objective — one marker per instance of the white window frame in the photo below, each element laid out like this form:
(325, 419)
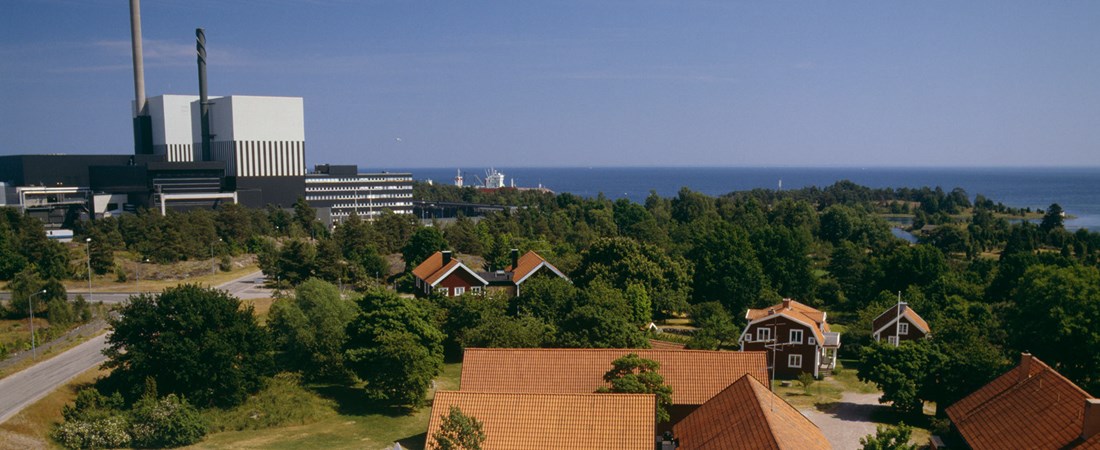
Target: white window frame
(794, 361)
(892, 340)
(811, 340)
(763, 334)
(443, 290)
(791, 338)
(476, 290)
(459, 291)
(903, 328)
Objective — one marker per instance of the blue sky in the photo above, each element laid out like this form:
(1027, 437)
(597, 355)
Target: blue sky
(391, 84)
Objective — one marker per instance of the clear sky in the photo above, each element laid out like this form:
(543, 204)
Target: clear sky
(584, 82)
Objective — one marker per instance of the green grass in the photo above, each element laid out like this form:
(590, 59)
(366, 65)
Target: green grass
(350, 422)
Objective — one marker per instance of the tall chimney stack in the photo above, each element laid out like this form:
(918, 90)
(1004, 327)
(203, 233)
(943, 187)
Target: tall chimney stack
(143, 126)
(204, 104)
(1091, 421)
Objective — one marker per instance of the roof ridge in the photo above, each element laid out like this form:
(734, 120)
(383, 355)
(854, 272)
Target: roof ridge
(759, 405)
(548, 394)
(1020, 385)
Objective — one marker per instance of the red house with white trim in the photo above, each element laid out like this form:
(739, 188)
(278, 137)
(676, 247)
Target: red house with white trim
(795, 336)
(898, 324)
(443, 274)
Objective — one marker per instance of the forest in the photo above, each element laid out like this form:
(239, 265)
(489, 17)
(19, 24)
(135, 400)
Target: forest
(990, 284)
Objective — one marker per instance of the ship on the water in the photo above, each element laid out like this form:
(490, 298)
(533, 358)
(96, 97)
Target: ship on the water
(495, 180)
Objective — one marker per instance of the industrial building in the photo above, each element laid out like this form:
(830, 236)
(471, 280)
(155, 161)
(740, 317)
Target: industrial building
(198, 152)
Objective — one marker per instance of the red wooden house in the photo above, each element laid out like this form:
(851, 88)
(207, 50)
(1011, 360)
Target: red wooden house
(795, 336)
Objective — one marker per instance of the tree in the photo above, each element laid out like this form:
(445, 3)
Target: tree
(1057, 318)
(889, 438)
(726, 269)
(310, 329)
(394, 347)
(600, 318)
(192, 341)
(632, 374)
(900, 372)
(621, 261)
(423, 243)
(459, 432)
(1052, 219)
(715, 324)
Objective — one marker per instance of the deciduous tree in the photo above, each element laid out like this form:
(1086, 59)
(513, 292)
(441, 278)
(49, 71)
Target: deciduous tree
(632, 374)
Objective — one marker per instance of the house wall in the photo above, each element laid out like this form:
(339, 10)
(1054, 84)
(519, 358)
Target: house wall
(458, 278)
(913, 334)
(781, 327)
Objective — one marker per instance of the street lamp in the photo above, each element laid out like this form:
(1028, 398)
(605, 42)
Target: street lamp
(89, 241)
(139, 270)
(213, 264)
(30, 309)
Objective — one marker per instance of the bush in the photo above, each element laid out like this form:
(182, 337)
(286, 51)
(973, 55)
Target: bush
(225, 264)
(166, 422)
(283, 402)
(108, 432)
(120, 274)
(806, 379)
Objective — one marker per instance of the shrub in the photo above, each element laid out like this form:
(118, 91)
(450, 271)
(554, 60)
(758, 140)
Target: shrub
(806, 379)
(282, 402)
(120, 274)
(166, 422)
(108, 432)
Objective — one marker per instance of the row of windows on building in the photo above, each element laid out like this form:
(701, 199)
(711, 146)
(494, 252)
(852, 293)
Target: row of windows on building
(331, 180)
(309, 188)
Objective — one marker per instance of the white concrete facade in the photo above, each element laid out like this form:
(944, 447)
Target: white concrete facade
(172, 126)
(255, 136)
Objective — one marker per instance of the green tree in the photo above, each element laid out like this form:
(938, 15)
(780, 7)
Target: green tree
(394, 346)
(622, 261)
(632, 374)
(600, 318)
(310, 329)
(889, 438)
(726, 269)
(458, 431)
(544, 297)
(165, 423)
(423, 243)
(716, 327)
(1057, 318)
(900, 372)
(193, 341)
(1053, 218)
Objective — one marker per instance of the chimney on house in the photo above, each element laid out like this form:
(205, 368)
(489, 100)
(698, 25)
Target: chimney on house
(515, 258)
(1091, 423)
(1025, 367)
(771, 311)
(901, 307)
(786, 303)
(446, 257)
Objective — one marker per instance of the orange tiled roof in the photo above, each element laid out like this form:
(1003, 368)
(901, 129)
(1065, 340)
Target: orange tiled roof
(908, 312)
(694, 375)
(658, 344)
(528, 264)
(748, 415)
(549, 421)
(1031, 406)
(430, 266)
(813, 315)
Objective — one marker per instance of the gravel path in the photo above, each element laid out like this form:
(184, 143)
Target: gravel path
(848, 420)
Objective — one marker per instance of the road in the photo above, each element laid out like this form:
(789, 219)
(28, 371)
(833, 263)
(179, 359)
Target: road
(246, 287)
(848, 420)
(20, 389)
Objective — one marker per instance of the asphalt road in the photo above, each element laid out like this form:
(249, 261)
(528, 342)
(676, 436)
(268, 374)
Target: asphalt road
(246, 287)
(20, 389)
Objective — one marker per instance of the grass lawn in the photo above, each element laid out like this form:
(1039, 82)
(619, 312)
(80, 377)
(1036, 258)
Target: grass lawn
(31, 427)
(156, 277)
(354, 425)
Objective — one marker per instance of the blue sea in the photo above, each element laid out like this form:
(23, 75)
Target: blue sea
(1077, 190)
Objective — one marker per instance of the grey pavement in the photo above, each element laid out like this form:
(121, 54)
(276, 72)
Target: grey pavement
(22, 388)
(848, 420)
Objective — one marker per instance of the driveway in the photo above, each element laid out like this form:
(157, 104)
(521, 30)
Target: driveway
(848, 420)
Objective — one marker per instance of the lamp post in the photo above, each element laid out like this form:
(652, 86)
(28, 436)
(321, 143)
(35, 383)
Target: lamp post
(89, 241)
(30, 309)
(213, 264)
(139, 270)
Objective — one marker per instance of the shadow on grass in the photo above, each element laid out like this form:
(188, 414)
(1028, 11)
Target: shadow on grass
(890, 415)
(414, 442)
(354, 401)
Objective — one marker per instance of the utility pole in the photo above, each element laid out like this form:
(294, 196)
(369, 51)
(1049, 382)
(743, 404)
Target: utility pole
(897, 323)
(30, 309)
(89, 241)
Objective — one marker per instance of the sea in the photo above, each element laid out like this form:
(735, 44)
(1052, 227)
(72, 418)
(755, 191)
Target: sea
(1075, 189)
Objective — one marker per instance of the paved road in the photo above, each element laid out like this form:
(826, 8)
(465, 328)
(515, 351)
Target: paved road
(246, 287)
(848, 421)
(20, 389)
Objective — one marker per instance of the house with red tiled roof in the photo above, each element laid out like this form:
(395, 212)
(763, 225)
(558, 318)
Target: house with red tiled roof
(795, 336)
(747, 415)
(523, 268)
(513, 420)
(898, 324)
(694, 375)
(1032, 406)
(447, 276)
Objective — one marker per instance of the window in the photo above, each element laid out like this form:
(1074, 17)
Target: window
(763, 334)
(459, 291)
(811, 341)
(903, 328)
(794, 361)
(893, 340)
(443, 291)
(476, 290)
(796, 337)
